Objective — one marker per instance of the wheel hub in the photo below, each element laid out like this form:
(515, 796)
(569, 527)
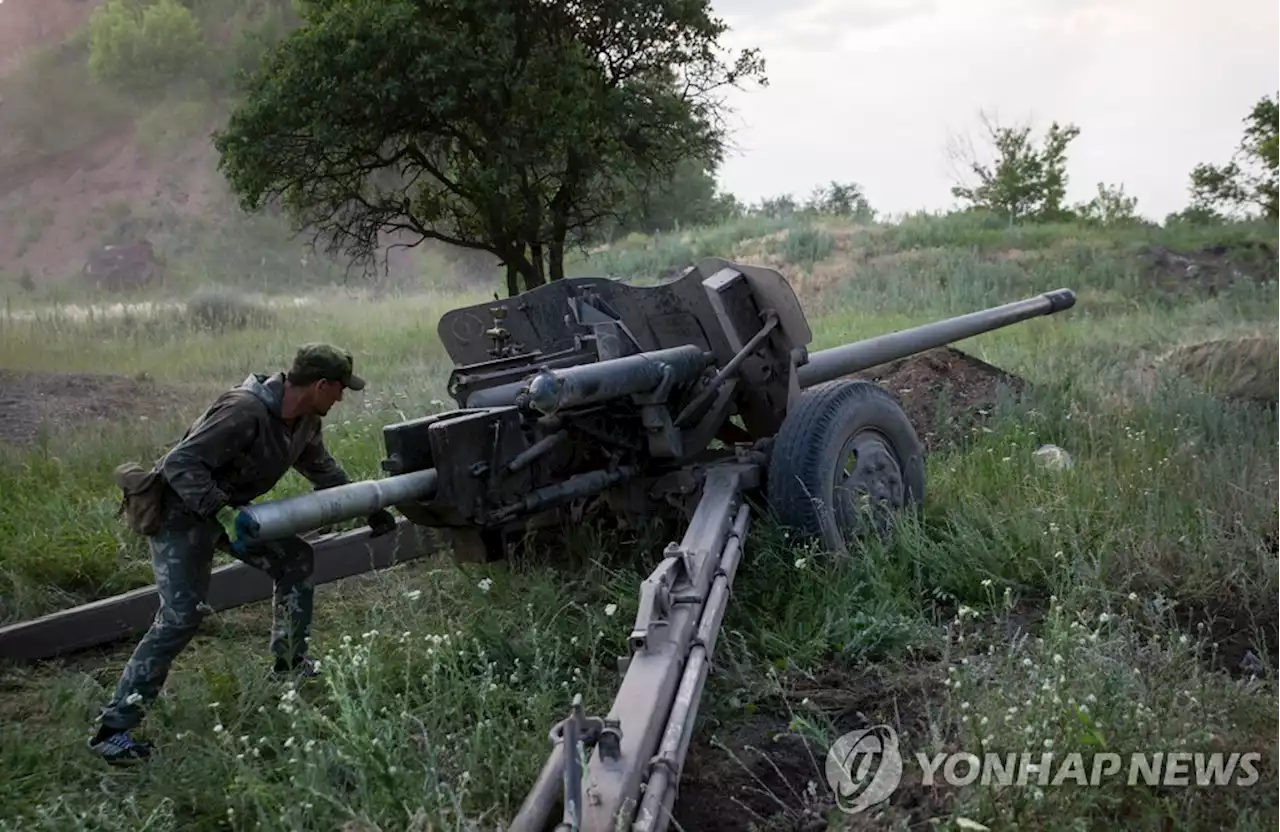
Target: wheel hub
(868, 485)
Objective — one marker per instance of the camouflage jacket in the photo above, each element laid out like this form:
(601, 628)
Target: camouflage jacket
(240, 448)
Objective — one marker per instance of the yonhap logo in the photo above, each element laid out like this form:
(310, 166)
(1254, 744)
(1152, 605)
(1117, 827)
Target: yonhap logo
(864, 767)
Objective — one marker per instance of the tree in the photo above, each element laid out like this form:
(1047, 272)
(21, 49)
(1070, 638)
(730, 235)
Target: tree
(1024, 183)
(776, 207)
(841, 200)
(687, 197)
(1249, 180)
(1110, 207)
(508, 126)
(144, 45)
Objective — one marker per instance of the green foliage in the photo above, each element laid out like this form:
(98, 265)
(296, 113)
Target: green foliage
(685, 198)
(640, 257)
(1025, 183)
(257, 28)
(837, 199)
(804, 245)
(1249, 181)
(509, 126)
(144, 44)
(1110, 207)
(777, 207)
(841, 200)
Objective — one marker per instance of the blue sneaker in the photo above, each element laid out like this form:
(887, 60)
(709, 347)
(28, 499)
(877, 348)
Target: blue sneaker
(119, 747)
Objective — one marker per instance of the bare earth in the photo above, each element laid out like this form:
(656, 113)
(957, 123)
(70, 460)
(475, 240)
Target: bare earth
(31, 402)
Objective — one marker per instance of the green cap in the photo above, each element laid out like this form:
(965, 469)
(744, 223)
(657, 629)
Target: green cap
(325, 361)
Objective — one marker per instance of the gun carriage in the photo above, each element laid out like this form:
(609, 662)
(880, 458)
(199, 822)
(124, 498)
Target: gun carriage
(697, 399)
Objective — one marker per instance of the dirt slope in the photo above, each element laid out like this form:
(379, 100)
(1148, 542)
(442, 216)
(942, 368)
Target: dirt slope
(28, 23)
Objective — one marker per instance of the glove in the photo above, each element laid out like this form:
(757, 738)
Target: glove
(246, 527)
(381, 522)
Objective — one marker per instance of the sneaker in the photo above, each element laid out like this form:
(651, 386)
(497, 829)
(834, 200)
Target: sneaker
(304, 667)
(119, 747)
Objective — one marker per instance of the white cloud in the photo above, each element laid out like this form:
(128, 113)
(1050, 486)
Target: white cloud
(870, 90)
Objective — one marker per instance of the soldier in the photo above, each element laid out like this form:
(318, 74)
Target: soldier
(237, 451)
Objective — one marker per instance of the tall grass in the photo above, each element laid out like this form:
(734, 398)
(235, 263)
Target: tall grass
(1127, 602)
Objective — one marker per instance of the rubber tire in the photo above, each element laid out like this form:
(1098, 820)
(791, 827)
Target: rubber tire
(807, 449)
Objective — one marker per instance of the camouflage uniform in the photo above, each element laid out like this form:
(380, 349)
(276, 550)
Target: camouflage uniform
(237, 451)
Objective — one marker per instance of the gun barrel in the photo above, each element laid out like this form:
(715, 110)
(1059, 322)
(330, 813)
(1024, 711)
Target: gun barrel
(304, 512)
(553, 390)
(836, 362)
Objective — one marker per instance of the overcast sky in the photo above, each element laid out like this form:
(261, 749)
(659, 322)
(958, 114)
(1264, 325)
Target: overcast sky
(870, 90)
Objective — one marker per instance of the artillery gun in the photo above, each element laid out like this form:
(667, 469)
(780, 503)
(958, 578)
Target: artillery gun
(696, 397)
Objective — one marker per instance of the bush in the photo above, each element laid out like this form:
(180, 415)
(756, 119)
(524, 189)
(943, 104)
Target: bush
(805, 245)
(144, 44)
(218, 310)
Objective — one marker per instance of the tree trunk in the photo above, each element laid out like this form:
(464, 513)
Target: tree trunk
(513, 280)
(535, 255)
(555, 251)
(532, 274)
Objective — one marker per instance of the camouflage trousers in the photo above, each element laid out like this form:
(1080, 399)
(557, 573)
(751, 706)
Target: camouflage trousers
(182, 559)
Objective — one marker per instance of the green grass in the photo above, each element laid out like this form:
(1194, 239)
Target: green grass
(1105, 606)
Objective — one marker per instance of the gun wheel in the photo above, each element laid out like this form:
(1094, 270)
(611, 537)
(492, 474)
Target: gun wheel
(845, 460)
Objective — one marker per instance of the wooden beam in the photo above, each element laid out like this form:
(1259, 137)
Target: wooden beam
(336, 556)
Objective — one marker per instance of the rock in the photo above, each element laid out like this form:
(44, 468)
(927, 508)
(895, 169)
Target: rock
(1052, 457)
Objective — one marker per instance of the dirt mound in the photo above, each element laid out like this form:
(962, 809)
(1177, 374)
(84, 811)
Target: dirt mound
(1209, 269)
(1234, 368)
(759, 774)
(31, 402)
(944, 391)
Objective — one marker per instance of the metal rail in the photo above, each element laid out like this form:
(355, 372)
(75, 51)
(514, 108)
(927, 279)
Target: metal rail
(645, 737)
(129, 614)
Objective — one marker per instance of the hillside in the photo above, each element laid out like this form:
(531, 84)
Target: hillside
(26, 26)
(86, 164)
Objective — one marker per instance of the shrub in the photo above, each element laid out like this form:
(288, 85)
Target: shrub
(805, 245)
(219, 310)
(144, 44)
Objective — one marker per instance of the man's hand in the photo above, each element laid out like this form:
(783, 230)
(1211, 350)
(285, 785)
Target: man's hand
(382, 522)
